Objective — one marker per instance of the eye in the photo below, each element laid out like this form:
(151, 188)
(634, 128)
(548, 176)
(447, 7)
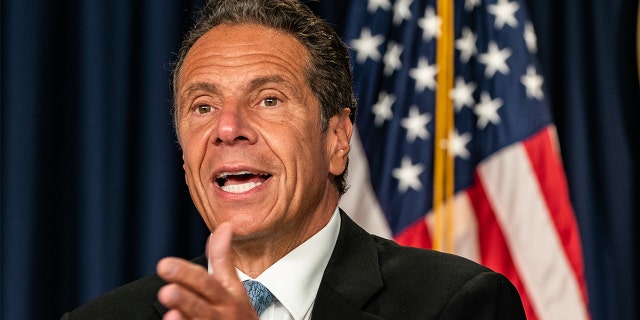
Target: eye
(270, 102)
(201, 109)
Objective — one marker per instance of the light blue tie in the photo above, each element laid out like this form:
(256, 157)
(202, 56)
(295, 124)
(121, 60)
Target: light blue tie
(259, 295)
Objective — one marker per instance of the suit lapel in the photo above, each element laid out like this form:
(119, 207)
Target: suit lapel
(352, 276)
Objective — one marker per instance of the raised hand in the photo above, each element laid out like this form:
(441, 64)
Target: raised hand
(193, 293)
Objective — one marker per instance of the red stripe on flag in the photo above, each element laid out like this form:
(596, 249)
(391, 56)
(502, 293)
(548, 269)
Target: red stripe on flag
(494, 251)
(416, 235)
(549, 171)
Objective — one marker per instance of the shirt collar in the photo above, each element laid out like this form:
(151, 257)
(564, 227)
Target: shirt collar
(294, 280)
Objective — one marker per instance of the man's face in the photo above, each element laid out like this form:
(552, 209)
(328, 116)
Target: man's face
(248, 124)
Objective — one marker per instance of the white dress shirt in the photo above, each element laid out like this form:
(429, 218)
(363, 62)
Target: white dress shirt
(294, 280)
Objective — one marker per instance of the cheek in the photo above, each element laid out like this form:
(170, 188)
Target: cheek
(193, 143)
(193, 155)
(312, 156)
(190, 155)
(298, 151)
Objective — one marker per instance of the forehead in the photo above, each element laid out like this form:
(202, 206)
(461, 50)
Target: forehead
(243, 48)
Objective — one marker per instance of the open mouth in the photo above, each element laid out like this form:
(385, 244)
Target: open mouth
(239, 182)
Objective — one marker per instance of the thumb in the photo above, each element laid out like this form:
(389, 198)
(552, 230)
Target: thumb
(219, 254)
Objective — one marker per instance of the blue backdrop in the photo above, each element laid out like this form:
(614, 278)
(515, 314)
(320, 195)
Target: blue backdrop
(92, 191)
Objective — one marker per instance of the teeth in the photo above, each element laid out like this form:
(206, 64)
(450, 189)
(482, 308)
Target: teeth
(226, 174)
(240, 188)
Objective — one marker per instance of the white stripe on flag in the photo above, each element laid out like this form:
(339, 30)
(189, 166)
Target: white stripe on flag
(530, 234)
(360, 202)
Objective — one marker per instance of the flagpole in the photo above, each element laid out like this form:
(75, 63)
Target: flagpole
(443, 184)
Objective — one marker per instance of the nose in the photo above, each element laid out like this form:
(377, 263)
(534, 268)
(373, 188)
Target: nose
(233, 127)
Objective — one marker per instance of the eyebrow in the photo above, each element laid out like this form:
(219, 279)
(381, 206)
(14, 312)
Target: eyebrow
(253, 85)
(260, 81)
(201, 86)
(256, 83)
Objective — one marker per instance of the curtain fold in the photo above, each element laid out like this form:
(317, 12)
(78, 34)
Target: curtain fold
(93, 192)
(587, 50)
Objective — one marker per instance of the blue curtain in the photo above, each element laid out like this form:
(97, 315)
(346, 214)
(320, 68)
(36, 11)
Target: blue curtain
(92, 188)
(93, 194)
(588, 50)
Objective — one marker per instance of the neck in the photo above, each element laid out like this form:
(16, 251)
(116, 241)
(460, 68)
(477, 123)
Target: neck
(253, 256)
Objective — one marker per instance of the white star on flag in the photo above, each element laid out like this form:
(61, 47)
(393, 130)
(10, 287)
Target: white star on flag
(424, 74)
(401, 11)
(530, 38)
(495, 60)
(408, 174)
(416, 124)
(430, 24)
(367, 46)
(373, 5)
(487, 110)
(533, 83)
(462, 94)
(504, 11)
(382, 108)
(467, 44)
(391, 58)
(470, 4)
(457, 144)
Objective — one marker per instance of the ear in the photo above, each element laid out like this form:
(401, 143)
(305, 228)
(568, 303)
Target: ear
(184, 168)
(339, 137)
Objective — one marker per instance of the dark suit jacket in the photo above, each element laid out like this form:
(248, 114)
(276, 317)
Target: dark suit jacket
(367, 277)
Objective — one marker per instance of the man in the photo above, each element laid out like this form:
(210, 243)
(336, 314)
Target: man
(264, 112)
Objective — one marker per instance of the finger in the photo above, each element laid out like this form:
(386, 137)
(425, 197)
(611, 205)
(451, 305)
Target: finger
(189, 275)
(173, 315)
(221, 262)
(183, 303)
(219, 253)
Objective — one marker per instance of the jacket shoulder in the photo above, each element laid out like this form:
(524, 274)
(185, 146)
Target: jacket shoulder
(452, 286)
(396, 258)
(135, 300)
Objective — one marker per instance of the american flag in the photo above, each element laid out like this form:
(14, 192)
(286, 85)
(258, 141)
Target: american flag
(510, 205)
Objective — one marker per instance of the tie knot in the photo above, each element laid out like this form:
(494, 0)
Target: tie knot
(259, 295)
